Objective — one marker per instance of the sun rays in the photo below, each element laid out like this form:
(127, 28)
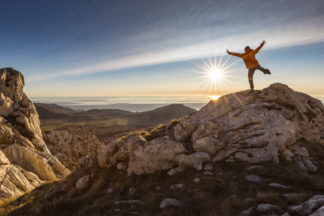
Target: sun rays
(214, 75)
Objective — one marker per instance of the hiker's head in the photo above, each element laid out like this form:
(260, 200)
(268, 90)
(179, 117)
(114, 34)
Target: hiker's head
(247, 49)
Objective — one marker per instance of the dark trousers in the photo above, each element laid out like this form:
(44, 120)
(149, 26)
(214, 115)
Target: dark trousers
(251, 72)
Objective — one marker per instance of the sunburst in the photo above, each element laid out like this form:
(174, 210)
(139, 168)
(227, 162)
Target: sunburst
(215, 74)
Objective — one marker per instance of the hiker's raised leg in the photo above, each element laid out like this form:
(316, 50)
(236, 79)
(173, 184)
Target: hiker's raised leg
(264, 70)
(250, 76)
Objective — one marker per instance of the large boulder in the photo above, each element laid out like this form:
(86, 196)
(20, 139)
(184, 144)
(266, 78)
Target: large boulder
(268, 126)
(26, 162)
(158, 154)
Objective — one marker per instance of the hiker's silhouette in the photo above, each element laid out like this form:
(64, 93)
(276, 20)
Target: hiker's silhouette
(250, 62)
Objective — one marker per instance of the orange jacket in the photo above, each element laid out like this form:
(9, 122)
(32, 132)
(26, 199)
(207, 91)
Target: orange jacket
(250, 60)
(249, 57)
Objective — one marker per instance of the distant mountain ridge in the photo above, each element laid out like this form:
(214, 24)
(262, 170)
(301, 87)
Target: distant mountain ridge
(148, 118)
(53, 110)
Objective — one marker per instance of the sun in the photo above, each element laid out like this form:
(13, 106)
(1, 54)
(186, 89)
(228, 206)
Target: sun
(215, 74)
(214, 97)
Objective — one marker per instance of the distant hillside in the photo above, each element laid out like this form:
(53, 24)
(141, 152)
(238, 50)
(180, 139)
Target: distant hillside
(160, 115)
(139, 119)
(102, 113)
(46, 111)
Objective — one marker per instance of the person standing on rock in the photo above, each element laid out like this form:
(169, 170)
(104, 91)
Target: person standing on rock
(250, 62)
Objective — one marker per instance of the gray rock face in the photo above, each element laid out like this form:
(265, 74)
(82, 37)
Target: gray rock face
(318, 212)
(158, 154)
(238, 127)
(309, 206)
(25, 159)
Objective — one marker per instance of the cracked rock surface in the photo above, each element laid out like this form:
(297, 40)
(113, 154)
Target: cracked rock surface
(263, 127)
(26, 162)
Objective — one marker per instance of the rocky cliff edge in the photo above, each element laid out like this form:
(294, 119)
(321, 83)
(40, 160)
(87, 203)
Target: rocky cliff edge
(25, 161)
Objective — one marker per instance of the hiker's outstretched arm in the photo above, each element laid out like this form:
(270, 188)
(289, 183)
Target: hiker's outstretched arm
(259, 47)
(235, 54)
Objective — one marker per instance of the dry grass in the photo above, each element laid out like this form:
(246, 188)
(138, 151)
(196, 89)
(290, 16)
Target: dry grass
(268, 197)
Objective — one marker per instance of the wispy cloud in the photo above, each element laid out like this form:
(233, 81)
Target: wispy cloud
(171, 31)
(291, 34)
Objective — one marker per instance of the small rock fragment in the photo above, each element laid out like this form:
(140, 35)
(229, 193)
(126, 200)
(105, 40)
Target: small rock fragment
(176, 186)
(247, 212)
(196, 180)
(278, 186)
(82, 182)
(264, 208)
(208, 167)
(167, 202)
(254, 179)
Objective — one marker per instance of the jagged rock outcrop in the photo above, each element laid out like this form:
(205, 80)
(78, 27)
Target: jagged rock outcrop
(264, 127)
(26, 161)
(74, 147)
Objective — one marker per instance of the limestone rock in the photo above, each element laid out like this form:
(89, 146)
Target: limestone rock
(318, 212)
(254, 179)
(75, 147)
(208, 167)
(157, 154)
(82, 182)
(15, 181)
(268, 126)
(3, 159)
(167, 202)
(278, 186)
(247, 212)
(176, 186)
(194, 160)
(309, 206)
(30, 161)
(25, 159)
(119, 149)
(265, 208)
(258, 128)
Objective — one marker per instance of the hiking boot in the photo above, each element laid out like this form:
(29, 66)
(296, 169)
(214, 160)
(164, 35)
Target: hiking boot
(251, 91)
(267, 71)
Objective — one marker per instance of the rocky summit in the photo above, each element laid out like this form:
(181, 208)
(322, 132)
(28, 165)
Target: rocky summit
(243, 154)
(269, 126)
(25, 159)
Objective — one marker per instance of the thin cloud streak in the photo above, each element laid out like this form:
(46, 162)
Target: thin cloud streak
(277, 37)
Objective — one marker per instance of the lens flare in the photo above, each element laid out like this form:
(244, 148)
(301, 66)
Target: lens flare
(215, 74)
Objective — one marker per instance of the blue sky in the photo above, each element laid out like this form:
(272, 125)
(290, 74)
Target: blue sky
(150, 47)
